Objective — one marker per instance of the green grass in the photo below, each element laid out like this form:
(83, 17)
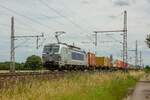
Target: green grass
(115, 90)
(97, 86)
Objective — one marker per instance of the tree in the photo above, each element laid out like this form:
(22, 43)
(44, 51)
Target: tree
(148, 40)
(33, 62)
(147, 68)
(6, 65)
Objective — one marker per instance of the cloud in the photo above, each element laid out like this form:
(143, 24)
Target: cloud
(112, 16)
(121, 2)
(148, 1)
(85, 2)
(88, 1)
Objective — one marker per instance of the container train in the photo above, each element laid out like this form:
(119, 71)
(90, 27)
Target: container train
(64, 56)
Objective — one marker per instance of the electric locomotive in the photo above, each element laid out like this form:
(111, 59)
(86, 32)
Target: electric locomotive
(63, 56)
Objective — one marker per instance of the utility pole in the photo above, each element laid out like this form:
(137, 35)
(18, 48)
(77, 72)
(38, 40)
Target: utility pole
(136, 53)
(140, 58)
(95, 43)
(12, 49)
(125, 48)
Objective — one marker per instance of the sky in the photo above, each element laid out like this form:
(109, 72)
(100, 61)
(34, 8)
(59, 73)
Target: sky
(78, 18)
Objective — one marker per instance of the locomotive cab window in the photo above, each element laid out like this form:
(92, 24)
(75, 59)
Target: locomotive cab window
(51, 49)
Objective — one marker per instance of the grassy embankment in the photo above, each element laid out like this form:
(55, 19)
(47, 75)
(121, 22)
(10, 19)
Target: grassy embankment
(97, 86)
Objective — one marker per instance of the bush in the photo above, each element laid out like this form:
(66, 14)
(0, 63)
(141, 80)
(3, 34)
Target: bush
(148, 40)
(147, 69)
(33, 62)
(6, 66)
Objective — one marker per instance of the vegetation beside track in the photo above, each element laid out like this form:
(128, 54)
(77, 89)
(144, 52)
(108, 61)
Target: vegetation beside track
(95, 86)
(32, 63)
(147, 69)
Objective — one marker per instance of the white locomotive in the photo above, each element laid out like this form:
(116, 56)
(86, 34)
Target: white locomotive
(63, 56)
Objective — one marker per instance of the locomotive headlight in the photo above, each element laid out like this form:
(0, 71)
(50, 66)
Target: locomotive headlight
(59, 58)
(43, 54)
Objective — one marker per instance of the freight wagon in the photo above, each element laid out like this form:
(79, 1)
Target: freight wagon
(91, 60)
(120, 64)
(103, 62)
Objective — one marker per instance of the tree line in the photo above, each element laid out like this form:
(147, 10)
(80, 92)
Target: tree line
(32, 63)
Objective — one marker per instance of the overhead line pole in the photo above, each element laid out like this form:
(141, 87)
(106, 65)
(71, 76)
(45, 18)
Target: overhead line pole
(125, 46)
(134, 56)
(12, 47)
(136, 53)
(125, 49)
(95, 43)
(140, 58)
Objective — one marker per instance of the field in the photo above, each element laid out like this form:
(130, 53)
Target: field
(87, 86)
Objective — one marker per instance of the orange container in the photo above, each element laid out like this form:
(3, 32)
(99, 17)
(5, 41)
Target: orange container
(91, 59)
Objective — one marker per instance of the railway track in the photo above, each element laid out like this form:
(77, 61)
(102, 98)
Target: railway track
(11, 79)
(32, 74)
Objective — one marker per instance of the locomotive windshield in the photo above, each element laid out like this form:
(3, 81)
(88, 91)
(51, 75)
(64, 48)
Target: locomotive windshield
(51, 49)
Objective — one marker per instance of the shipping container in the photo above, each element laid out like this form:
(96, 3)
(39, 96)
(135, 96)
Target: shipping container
(120, 64)
(91, 60)
(103, 62)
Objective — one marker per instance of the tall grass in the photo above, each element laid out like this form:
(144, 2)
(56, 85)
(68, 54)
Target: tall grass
(96, 86)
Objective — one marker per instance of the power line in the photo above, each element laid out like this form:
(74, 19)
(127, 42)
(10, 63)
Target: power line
(13, 47)
(125, 49)
(31, 28)
(21, 44)
(115, 39)
(18, 27)
(57, 12)
(114, 16)
(68, 8)
(33, 20)
(21, 23)
(82, 20)
(24, 17)
(136, 53)
(55, 20)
